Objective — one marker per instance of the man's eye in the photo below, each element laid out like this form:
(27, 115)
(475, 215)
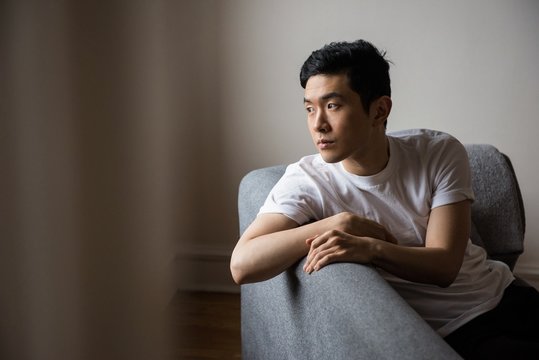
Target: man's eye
(309, 109)
(332, 106)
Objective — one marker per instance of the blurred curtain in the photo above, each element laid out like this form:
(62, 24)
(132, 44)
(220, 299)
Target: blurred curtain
(90, 184)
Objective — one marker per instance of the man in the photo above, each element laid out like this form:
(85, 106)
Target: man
(399, 201)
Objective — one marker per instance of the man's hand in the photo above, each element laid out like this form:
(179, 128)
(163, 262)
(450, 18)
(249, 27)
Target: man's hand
(337, 246)
(359, 226)
(352, 240)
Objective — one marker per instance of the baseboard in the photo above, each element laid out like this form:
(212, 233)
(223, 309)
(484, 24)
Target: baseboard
(528, 273)
(204, 268)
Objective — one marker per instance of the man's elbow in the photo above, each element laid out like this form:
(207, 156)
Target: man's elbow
(445, 279)
(245, 271)
(240, 275)
(237, 274)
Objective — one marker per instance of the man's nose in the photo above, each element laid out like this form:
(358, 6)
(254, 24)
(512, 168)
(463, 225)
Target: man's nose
(321, 123)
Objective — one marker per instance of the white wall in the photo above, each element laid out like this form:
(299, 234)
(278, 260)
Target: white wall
(465, 67)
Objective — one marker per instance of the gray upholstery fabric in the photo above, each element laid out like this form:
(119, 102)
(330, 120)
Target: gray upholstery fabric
(348, 311)
(254, 189)
(498, 213)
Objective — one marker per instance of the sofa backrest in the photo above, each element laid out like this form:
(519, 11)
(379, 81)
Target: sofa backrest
(498, 211)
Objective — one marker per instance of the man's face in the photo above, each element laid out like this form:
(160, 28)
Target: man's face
(340, 127)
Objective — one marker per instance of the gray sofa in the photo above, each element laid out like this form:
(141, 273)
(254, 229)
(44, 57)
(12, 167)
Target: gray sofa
(348, 311)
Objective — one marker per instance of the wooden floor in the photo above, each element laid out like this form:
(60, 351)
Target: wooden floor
(208, 325)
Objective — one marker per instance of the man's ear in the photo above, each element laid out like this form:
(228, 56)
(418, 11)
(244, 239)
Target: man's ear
(380, 109)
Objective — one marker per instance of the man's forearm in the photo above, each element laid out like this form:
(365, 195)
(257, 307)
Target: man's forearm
(434, 266)
(273, 243)
(440, 260)
(260, 256)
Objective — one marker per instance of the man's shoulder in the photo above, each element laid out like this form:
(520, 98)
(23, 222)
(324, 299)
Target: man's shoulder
(422, 139)
(420, 134)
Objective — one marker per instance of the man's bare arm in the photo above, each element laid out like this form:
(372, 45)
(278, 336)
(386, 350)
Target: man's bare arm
(440, 260)
(266, 248)
(274, 242)
(437, 263)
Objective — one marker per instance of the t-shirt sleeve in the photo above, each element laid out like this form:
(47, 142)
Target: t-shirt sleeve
(452, 176)
(294, 196)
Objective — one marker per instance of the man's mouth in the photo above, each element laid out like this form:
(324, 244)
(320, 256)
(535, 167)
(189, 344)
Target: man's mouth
(324, 143)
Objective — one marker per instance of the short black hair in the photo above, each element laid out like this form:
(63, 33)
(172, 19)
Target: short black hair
(365, 66)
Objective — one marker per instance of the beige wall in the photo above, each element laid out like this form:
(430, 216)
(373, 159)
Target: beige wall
(465, 67)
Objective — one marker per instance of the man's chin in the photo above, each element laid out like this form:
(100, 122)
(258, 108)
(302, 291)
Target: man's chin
(330, 159)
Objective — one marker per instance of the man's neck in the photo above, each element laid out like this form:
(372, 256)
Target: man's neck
(371, 163)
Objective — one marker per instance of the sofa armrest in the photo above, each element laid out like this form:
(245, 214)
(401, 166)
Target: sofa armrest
(344, 311)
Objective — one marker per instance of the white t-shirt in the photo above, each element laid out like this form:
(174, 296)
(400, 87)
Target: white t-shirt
(426, 169)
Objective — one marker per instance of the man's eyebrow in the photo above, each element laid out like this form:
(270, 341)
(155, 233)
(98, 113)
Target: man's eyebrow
(327, 96)
(331, 95)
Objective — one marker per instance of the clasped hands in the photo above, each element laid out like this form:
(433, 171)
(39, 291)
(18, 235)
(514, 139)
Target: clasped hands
(352, 239)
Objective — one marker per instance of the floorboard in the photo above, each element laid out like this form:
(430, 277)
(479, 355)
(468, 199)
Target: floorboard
(208, 325)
